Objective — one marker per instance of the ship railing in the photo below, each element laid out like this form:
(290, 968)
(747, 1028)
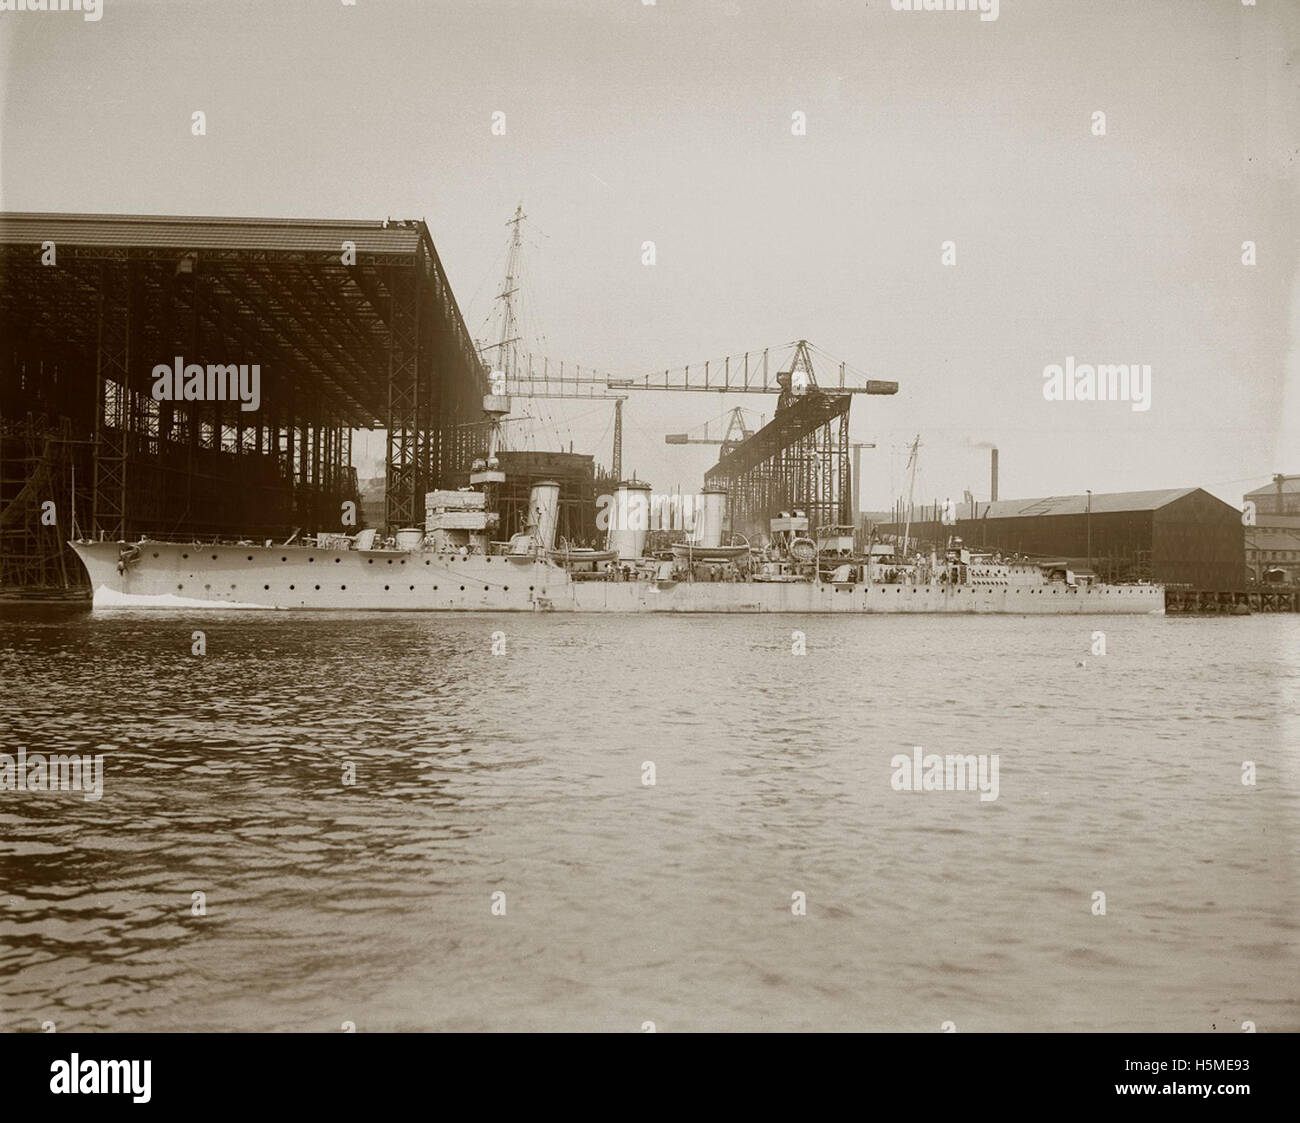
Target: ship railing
(183, 539)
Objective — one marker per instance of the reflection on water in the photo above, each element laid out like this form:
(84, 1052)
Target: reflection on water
(521, 773)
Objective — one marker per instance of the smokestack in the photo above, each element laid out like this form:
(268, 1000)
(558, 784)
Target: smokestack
(544, 502)
(993, 471)
(709, 517)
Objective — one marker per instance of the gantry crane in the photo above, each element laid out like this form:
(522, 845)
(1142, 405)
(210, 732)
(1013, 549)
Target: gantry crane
(736, 433)
(799, 459)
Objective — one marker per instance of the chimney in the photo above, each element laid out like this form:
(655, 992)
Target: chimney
(993, 471)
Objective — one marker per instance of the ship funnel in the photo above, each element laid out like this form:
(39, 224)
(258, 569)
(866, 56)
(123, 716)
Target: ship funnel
(629, 520)
(709, 517)
(544, 512)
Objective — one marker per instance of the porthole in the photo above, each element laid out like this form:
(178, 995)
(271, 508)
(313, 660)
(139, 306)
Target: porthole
(426, 563)
(385, 588)
(370, 561)
(485, 588)
(232, 586)
(214, 557)
(435, 588)
(337, 560)
(266, 587)
(284, 559)
(311, 559)
(318, 588)
(291, 588)
(343, 588)
(207, 586)
(412, 588)
(185, 555)
(250, 557)
(180, 586)
(155, 555)
(505, 588)
(390, 561)
(530, 588)
(462, 588)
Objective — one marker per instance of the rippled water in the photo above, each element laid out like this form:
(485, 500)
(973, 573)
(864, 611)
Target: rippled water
(627, 903)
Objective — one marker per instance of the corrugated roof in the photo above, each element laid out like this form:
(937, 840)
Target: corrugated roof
(1290, 485)
(182, 232)
(1102, 501)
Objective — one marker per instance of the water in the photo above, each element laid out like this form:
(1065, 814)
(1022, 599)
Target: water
(522, 773)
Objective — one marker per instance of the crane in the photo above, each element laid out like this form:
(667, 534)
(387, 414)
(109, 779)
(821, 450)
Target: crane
(737, 431)
(748, 373)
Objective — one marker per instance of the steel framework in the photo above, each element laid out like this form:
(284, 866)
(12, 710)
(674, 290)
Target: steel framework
(352, 325)
(800, 459)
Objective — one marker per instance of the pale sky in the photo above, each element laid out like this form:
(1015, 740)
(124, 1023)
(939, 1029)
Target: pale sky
(629, 122)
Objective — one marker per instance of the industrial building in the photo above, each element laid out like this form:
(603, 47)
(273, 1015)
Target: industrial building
(1273, 532)
(1182, 536)
(351, 325)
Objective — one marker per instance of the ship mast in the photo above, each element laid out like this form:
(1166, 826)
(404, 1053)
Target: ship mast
(508, 344)
(911, 489)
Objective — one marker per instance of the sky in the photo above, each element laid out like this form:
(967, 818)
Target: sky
(673, 122)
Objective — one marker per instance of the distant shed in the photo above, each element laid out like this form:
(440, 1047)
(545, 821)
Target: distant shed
(1180, 536)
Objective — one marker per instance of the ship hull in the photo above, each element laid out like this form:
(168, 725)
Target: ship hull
(187, 576)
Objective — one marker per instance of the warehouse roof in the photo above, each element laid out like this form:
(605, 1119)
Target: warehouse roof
(329, 328)
(1290, 485)
(370, 236)
(1101, 502)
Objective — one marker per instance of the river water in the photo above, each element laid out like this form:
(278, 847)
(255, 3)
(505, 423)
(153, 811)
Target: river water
(522, 773)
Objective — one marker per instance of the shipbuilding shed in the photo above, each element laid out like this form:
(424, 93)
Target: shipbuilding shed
(1178, 536)
(350, 324)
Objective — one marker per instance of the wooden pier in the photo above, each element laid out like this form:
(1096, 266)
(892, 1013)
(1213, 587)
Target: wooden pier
(1236, 602)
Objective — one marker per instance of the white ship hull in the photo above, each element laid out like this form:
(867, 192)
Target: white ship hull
(187, 576)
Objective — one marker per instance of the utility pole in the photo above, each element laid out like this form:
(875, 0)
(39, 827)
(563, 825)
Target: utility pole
(1088, 523)
(858, 446)
(617, 466)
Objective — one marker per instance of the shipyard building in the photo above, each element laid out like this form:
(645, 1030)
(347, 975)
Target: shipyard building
(1273, 537)
(348, 325)
(1181, 536)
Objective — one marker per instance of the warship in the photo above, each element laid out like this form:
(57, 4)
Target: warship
(455, 565)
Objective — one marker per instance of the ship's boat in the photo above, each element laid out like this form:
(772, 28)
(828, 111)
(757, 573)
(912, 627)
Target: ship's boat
(575, 556)
(690, 552)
